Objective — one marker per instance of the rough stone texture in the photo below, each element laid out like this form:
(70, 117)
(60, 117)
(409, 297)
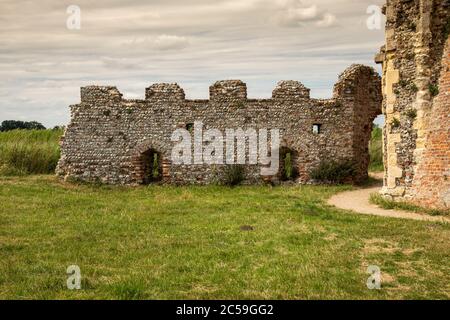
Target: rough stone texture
(108, 137)
(416, 136)
(431, 185)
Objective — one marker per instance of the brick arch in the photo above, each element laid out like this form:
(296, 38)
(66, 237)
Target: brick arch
(146, 145)
(137, 165)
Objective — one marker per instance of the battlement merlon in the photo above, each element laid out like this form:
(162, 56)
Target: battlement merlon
(286, 90)
(164, 91)
(100, 94)
(228, 90)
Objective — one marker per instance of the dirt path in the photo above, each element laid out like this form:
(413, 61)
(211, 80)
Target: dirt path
(358, 201)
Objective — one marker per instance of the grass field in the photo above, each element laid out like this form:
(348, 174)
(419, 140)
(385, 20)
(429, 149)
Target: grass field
(200, 242)
(208, 242)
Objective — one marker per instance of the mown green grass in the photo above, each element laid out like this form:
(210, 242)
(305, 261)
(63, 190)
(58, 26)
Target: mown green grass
(376, 150)
(187, 243)
(24, 152)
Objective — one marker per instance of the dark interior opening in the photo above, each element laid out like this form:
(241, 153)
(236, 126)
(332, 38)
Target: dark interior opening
(288, 170)
(151, 162)
(190, 127)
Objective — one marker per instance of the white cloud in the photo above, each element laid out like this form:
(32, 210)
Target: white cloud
(170, 42)
(134, 43)
(293, 13)
(122, 63)
(327, 20)
(162, 42)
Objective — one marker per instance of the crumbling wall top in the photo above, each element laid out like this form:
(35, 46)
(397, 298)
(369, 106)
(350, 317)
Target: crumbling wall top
(353, 77)
(235, 90)
(290, 90)
(164, 91)
(228, 89)
(92, 94)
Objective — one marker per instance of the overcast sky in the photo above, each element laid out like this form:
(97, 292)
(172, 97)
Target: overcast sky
(134, 43)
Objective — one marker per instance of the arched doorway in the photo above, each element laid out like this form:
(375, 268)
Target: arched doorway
(148, 163)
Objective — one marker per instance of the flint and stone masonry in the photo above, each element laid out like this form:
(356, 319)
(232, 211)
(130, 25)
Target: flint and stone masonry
(416, 88)
(115, 140)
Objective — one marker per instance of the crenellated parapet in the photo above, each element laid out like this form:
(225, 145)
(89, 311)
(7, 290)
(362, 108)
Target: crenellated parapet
(350, 81)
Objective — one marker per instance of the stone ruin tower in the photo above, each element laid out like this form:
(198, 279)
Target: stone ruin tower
(416, 92)
(121, 141)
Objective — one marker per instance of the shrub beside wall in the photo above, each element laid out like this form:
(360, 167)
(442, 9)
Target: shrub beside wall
(234, 175)
(334, 172)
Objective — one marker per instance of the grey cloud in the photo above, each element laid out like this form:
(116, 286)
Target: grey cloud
(294, 13)
(135, 43)
(162, 42)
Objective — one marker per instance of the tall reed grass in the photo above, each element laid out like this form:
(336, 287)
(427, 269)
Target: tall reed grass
(24, 152)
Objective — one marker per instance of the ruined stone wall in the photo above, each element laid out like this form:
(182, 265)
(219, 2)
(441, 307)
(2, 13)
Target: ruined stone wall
(431, 185)
(415, 96)
(108, 135)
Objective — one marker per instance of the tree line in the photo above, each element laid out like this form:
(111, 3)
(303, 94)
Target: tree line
(9, 125)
